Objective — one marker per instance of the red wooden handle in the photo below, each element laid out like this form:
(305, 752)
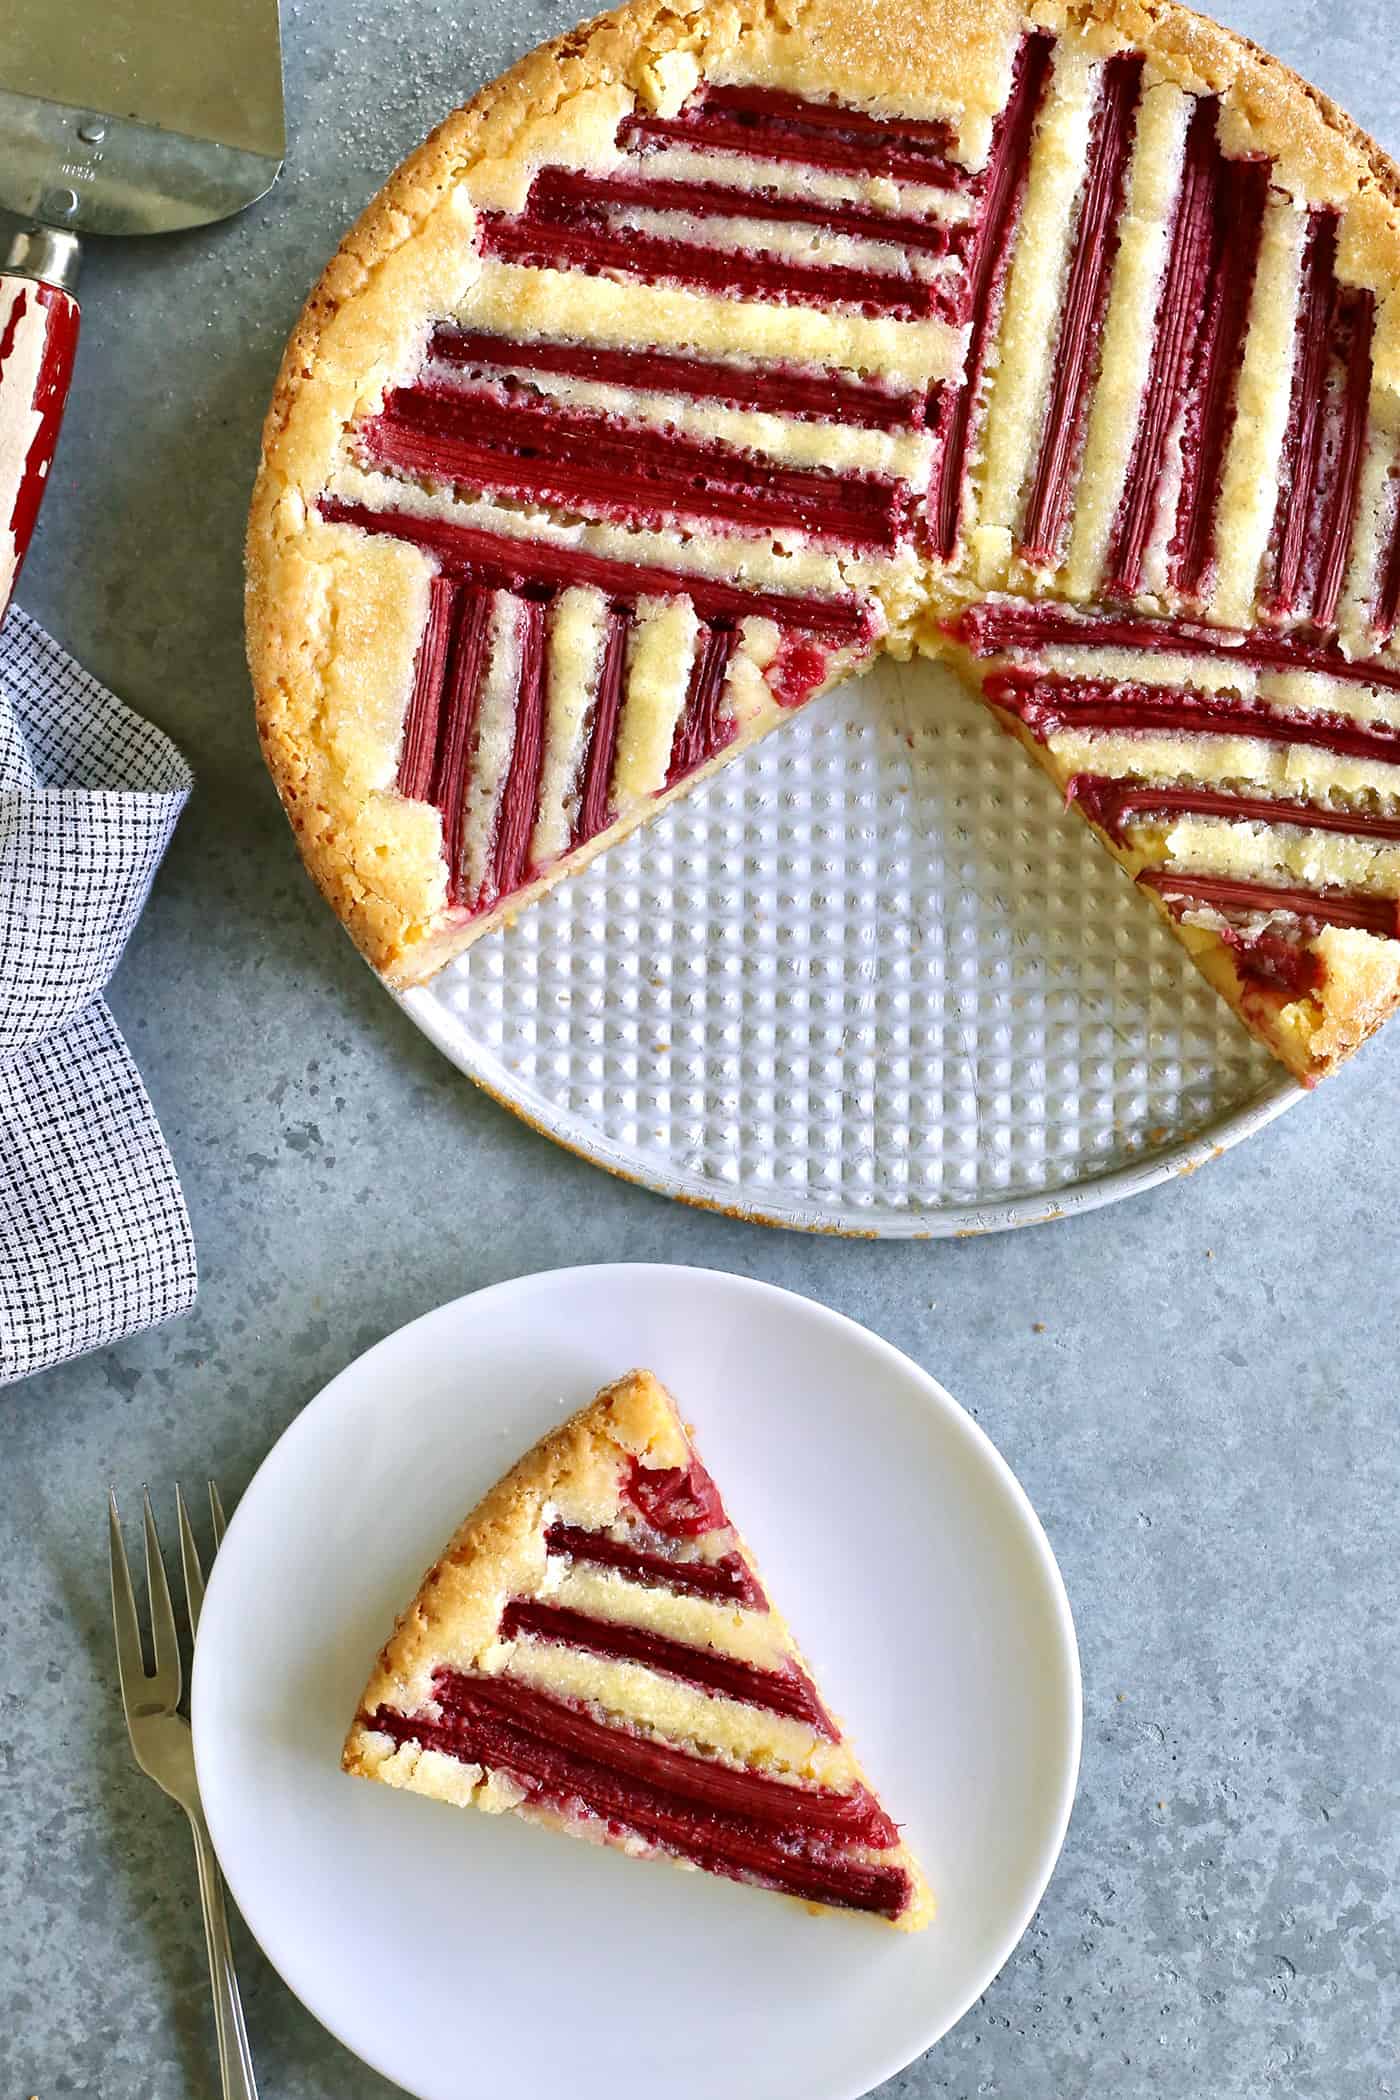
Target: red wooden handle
(38, 338)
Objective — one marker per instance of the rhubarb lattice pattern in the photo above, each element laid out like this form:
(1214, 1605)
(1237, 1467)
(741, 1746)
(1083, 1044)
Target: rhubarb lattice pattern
(634, 1686)
(700, 476)
(716, 412)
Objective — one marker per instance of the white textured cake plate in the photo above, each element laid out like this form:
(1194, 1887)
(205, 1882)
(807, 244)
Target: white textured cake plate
(472, 1958)
(871, 979)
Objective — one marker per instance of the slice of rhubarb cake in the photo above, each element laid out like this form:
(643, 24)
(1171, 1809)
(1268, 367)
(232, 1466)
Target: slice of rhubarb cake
(718, 348)
(595, 1652)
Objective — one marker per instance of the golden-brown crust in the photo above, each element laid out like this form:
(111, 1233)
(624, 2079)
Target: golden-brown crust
(328, 726)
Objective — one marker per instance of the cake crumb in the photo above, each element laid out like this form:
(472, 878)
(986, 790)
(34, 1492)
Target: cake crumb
(1037, 1327)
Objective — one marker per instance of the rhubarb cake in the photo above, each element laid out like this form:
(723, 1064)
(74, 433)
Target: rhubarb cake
(595, 1652)
(719, 347)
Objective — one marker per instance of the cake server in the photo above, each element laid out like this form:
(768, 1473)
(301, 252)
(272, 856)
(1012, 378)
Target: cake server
(124, 117)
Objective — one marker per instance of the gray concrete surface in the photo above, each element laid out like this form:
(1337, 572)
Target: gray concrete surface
(1198, 1388)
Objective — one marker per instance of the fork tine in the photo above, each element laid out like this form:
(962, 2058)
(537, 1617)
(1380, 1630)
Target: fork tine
(189, 1561)
(164, 1639)
(131, 1663)
(216, 1511)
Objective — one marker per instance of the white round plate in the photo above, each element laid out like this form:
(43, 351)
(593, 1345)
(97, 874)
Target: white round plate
(870, 979)
(473, 1958)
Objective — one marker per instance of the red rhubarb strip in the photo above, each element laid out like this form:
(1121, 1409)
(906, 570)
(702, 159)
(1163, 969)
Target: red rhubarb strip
(776, 105)
(566, 194)
(1084, 309)
(1386, 609)
(1270, 962)
(520, 796)
(466, 665)
(420, 736)
(813, 1864)
(593, 810)
(1342, 478)
(703, 729)
(1115, 805)
(796, 671)
(1047, 705)
(781, 390)
(726, 1578)
(680, 1502)
(566, 1740)
(1241, 195)
(1180, 307)
(999, 626)
(854, 1818)
(599, 466)
(773, 280)
(504, 562)
(808, 134)
(1303, 441)
(1003, 187)
(1376, 915)
(788, 1692)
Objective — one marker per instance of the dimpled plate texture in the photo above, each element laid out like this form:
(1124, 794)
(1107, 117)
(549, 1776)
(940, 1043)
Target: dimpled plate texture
(869, 979)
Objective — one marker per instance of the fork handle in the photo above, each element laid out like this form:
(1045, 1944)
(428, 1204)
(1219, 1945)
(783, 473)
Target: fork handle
(235, 2058)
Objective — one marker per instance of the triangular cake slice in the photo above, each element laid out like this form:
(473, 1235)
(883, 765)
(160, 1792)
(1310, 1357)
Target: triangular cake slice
(595, 1651)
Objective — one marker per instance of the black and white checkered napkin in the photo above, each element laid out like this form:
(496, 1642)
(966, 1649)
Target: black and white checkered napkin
(95, 1241)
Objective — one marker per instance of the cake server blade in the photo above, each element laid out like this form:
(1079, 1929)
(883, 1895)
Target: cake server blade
(138, 116)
